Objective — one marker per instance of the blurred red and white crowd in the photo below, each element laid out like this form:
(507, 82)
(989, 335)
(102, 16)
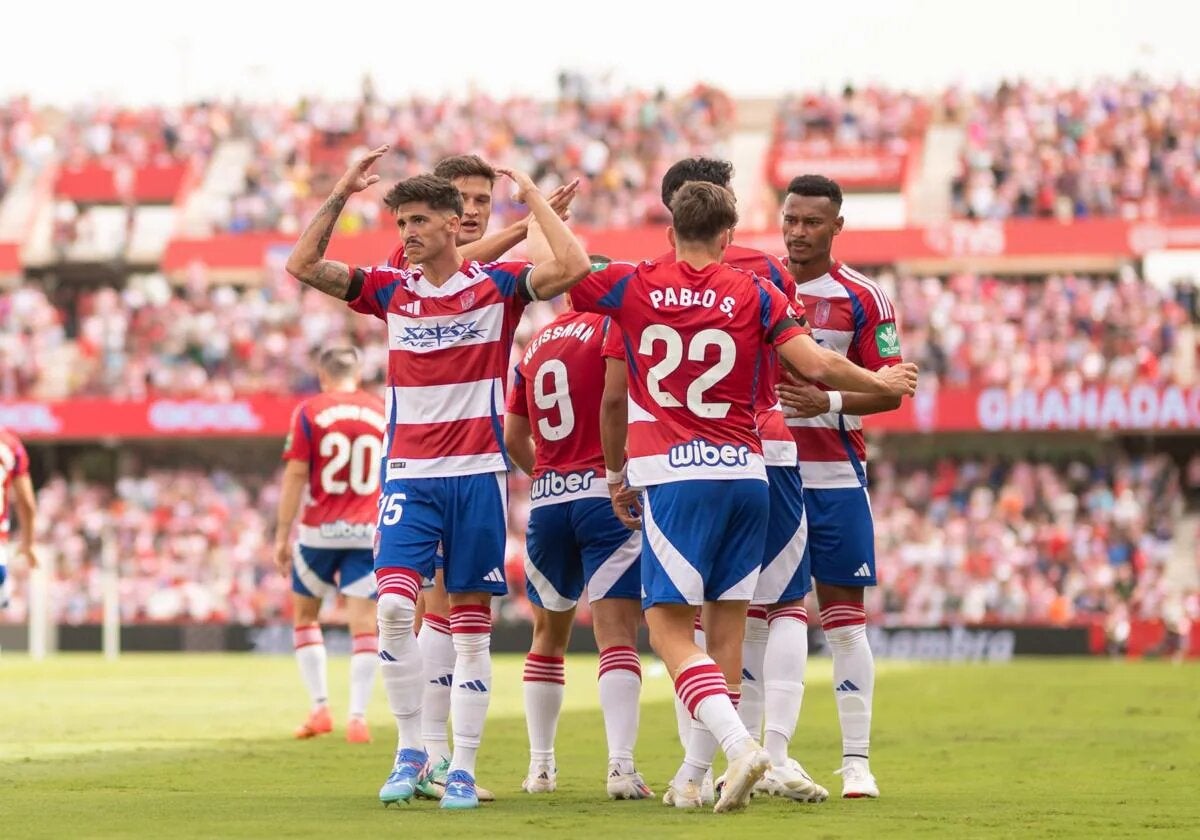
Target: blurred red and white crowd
(972, 541)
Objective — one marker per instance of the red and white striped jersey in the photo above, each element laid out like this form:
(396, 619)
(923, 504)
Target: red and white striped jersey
(14, 462)
(448, 362)
(695, 341)
(340, 436)
(558, 385)
(851, 314)
(779, 448)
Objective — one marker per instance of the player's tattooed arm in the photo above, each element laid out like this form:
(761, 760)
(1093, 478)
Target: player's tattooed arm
(307, 261)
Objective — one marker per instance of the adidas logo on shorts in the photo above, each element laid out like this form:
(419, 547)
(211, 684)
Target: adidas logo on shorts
(863, 571)
(494, 576)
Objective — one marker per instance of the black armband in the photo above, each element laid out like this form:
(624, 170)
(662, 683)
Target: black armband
(357, 278)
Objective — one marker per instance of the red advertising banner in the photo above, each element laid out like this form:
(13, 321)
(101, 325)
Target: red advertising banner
(863, 170)
(1142, 408)
(97, 183)
(10, 258)
(953, 240)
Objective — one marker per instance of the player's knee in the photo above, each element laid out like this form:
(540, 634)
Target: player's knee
(397, 614)
(846, 638)
(472, 644)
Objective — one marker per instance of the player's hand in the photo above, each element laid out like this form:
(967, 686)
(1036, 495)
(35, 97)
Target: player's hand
(356, 178)
(560, 200)
(800, 399)
(900, 380)
(525, 185)
(627, 505)
(27, 552)
(283, 559)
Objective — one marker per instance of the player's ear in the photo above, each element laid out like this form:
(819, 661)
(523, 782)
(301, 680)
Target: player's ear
(837, 225)
(671, 237)
(453, 222)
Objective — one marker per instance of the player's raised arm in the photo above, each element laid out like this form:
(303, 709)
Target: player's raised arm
(307, 261)
(569, 262)
(812, 361)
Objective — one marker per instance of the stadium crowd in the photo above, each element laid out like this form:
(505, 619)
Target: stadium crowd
(1112, 148)
(958, 540)
(150, 339)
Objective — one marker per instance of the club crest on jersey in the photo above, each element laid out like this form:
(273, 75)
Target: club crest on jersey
(701, 453)
(820, 313)
(467, 299)
(438, 335)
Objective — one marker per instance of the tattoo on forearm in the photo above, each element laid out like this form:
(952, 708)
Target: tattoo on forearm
(329, 212)
(332, 278)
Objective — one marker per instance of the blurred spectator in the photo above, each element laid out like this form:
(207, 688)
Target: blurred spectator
(1129, 149)
(970, 541)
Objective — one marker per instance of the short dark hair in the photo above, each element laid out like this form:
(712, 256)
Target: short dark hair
(816, 186)
(706, 170)
(700, 211)
(464, 166)
(437, 192)
(599, 259)
(340, 362)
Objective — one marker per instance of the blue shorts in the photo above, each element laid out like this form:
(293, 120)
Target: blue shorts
(703, 540)
(467, 514)
(785, 574)
(315, 570)
(841, 535)
(578, 545)
(3, 581)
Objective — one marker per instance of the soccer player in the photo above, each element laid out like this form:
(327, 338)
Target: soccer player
(450, 326)
(575, 543)
(332, 452)
(852, 316)
(475, 179)
(15, 481)
(694, 331)
(775, 647)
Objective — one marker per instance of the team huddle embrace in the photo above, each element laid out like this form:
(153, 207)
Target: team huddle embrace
(692, 428)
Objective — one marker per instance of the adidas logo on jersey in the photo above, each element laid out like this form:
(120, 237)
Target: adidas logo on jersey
(494, 576)
(701, 453)
(846, 685)
(555, 484)
(444, 679)
(413, 308)
(863, 571)
(474, 685)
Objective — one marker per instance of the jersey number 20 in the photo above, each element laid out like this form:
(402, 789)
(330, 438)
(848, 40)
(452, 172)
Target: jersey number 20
(361, 454)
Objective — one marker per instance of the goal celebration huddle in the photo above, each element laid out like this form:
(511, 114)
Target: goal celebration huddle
(692, 427)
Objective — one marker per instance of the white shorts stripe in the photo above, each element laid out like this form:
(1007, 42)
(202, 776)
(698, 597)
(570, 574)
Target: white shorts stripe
(312, 582)
(610, 571)
(364, 587)
(778, 573)
(743, 590)
(683, 574)
(550, 597)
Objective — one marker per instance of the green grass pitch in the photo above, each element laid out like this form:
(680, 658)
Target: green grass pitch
(199, 746)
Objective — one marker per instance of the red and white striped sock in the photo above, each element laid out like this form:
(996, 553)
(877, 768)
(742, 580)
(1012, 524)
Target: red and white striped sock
(845, 625)
(309, 644)
(683, 718)
(364, 662)
(620, 691)
(400, 658)
(471, 628)
(545, 681)
(701, 686)
(437, 655)
(783, 677)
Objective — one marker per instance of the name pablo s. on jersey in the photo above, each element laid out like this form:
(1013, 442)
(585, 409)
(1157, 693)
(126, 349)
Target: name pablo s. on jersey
(559, 384)
(694, 341)
(340, 436)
